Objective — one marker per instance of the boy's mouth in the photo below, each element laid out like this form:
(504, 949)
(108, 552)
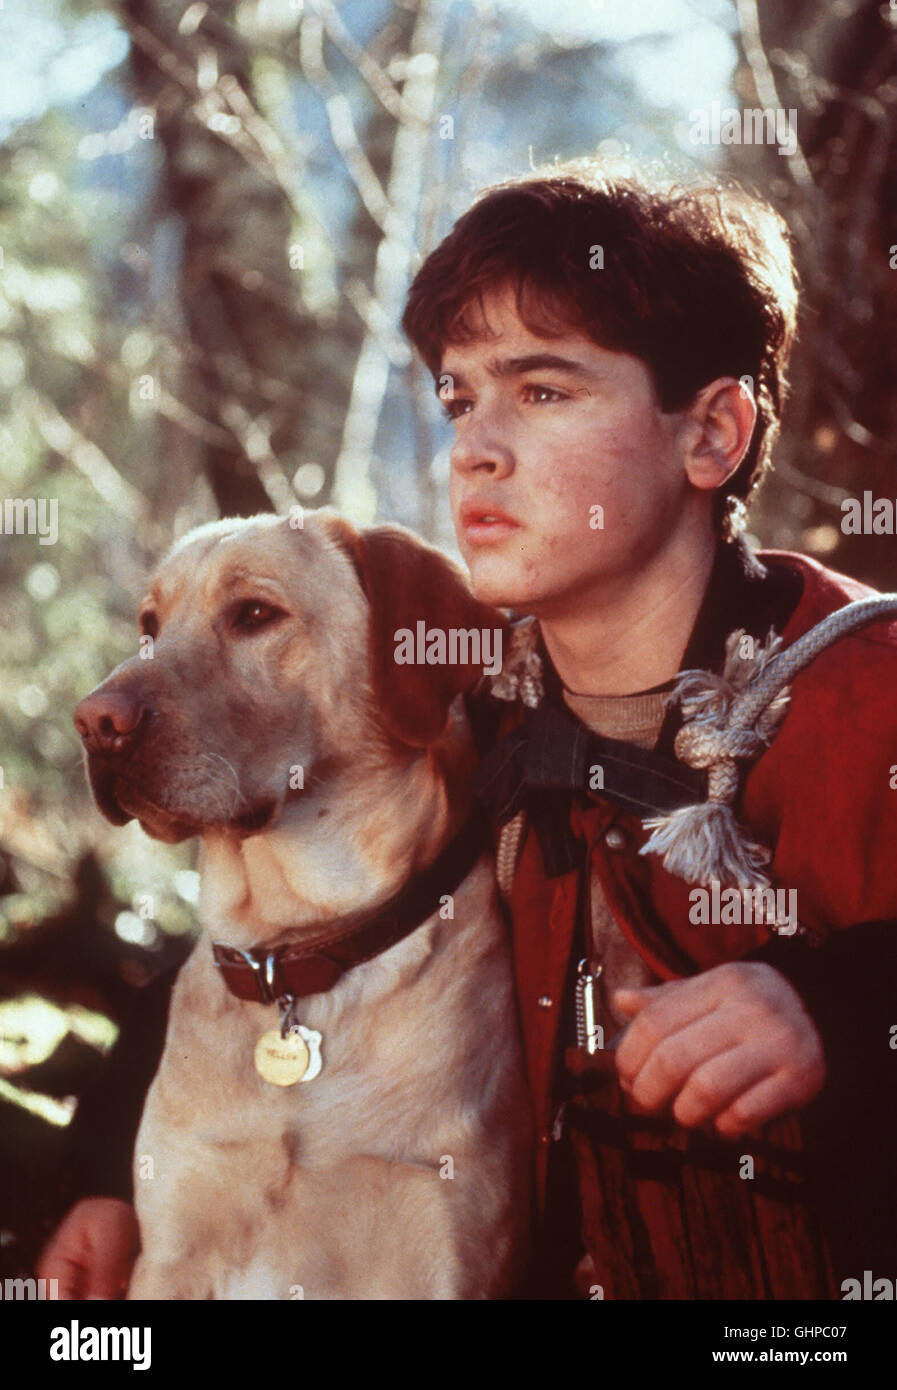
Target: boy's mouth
(484, 525)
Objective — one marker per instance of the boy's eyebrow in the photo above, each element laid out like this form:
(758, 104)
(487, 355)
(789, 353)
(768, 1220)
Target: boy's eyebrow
(516, 366)
(538, 361)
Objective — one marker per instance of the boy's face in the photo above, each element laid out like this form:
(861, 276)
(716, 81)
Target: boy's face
(548, 430)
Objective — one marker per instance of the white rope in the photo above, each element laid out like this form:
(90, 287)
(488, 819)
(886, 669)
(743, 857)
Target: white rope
(510, 842)
(729, 719)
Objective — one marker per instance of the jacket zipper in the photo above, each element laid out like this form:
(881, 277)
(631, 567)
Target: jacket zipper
(588, 973)
(589, 1034)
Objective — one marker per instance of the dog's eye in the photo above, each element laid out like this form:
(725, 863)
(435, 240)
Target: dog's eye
(253, 613)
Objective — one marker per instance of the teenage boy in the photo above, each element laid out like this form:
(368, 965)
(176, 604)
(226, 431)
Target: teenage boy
(613, 355)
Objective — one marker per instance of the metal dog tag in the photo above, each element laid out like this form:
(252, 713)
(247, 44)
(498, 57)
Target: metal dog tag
(283, 1061)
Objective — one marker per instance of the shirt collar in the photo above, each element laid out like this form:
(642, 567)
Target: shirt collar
(743, 591)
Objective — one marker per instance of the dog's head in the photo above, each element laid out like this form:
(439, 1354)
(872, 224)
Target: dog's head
(277, 654)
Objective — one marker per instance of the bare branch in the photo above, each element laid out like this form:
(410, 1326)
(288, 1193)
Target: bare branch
(366, 66)
(342, 127)
(225, 110)
(186, 419)
(255, 439)
(352, 489)
(765, 83)
(372, 315)
(827, 493)
(61, 436)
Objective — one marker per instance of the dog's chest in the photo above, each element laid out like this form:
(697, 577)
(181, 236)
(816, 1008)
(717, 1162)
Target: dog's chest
(371, 1178)
(386, 1040)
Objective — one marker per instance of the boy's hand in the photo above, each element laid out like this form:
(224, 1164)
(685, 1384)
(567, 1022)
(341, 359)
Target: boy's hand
(733, 1045)
(92, 1253)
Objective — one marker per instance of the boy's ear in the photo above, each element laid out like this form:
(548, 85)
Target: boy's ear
(722, 418)
(408, 582)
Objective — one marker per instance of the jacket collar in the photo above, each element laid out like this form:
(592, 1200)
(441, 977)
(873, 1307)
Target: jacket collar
(545, 761)
(743, 591)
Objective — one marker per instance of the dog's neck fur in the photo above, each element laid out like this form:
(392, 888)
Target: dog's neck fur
(335, 848)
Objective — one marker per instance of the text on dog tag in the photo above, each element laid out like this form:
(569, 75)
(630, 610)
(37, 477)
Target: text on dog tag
(281, 1061)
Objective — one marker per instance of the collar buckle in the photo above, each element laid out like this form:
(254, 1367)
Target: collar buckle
(263, 972)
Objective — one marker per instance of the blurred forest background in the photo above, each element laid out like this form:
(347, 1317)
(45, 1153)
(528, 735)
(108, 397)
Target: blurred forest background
(209, 216)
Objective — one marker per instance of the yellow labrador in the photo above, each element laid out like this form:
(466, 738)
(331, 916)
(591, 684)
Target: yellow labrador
(370, 1136)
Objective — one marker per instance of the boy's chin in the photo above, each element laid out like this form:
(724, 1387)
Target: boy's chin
(504, 592)
(509, 581)
(524, 594)
(485, 583)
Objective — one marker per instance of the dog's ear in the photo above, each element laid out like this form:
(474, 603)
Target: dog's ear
(408, 582)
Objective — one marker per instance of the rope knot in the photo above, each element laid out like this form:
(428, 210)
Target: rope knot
(707, 745)
(730, 717)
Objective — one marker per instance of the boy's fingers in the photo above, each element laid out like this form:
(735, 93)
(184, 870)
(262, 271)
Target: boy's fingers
(720, 1084)
(668, 1065)
(66, 1269)
(93, 1252)
(108, 1275)
(630, 1001)
(766, 1101)
(114, 1248)
(654, 1025)
(674, 1003)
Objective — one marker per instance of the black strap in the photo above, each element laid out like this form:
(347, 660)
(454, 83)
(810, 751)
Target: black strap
(421, 896)
(782, 1175)
(554, 755)
(484, 714)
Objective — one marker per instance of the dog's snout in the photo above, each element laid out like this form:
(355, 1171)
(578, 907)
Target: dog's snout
(108, 720)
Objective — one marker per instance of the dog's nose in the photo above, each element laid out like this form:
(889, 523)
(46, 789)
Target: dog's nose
(107, 720)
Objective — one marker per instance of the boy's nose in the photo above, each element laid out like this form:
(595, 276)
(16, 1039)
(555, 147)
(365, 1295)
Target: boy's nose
(476, 449)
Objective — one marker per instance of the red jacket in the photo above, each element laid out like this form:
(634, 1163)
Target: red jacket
(820, 797)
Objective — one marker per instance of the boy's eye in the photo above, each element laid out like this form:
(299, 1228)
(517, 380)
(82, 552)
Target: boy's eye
(534, 394)
(543, 394)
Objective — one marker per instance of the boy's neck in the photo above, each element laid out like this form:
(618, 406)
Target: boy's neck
(630, 636)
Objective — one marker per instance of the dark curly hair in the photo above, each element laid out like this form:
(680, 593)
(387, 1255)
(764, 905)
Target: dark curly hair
(696, 280)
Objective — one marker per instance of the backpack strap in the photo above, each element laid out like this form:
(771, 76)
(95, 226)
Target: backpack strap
(507, 855)
(485, 715)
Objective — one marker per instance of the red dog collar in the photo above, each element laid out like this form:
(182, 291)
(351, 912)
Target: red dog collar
(266, 975)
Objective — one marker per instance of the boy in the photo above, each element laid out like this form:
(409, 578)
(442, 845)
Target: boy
(613, 354)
